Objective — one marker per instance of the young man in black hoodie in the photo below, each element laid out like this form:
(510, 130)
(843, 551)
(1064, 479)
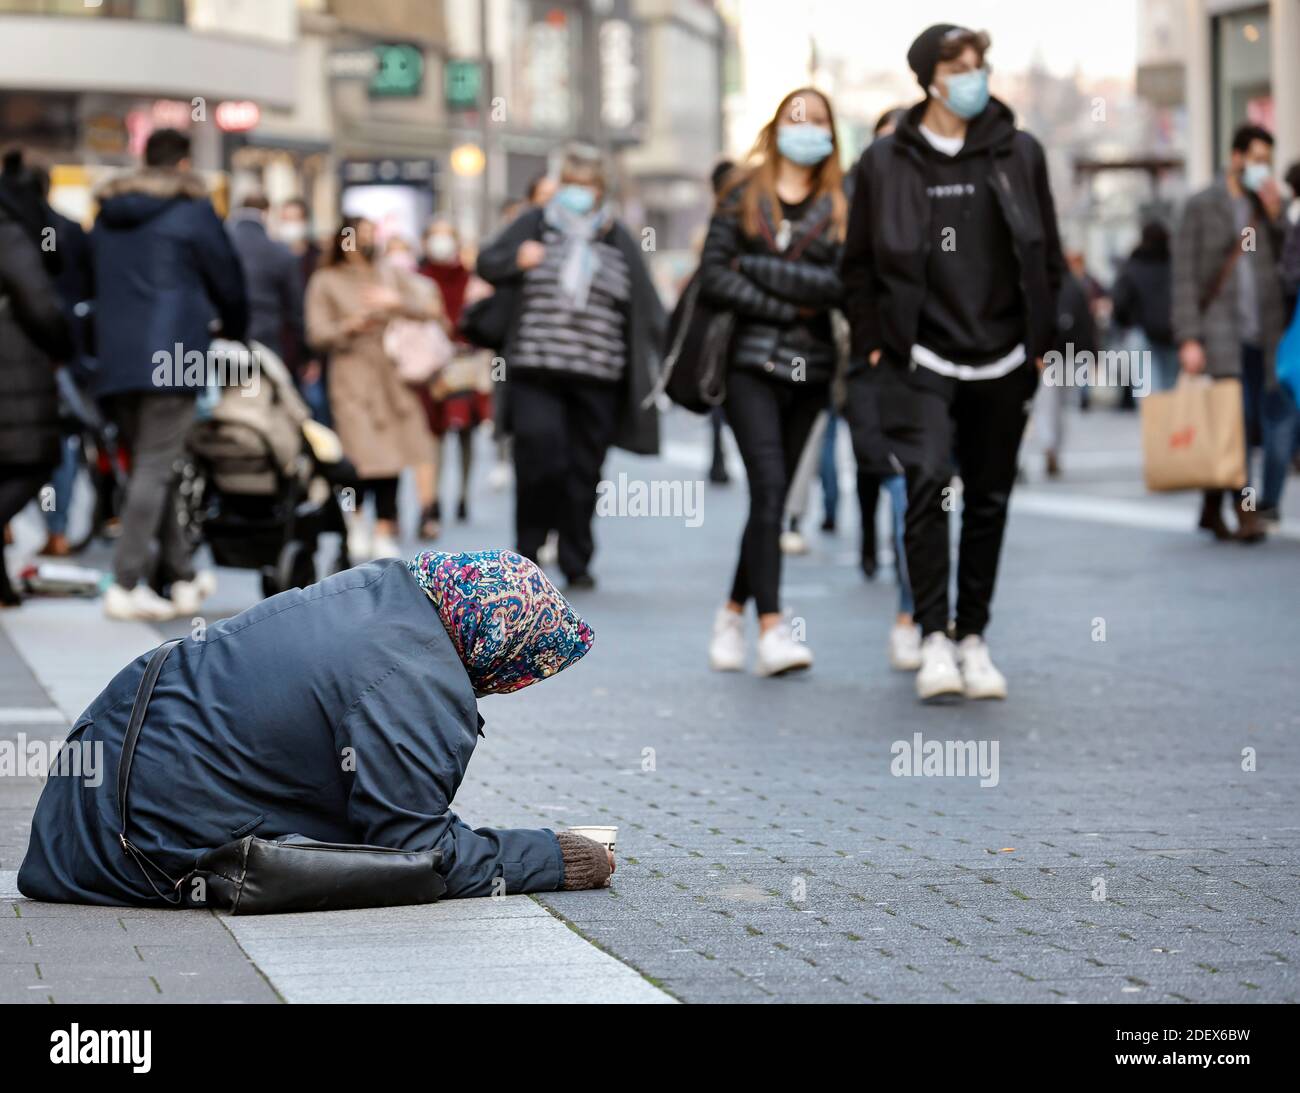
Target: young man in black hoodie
(951, 268)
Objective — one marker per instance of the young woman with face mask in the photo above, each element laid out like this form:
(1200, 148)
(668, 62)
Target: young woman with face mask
(580, 357)
(771, 259)
(952, 268)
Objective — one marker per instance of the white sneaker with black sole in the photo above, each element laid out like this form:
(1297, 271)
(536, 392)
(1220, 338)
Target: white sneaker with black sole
(778, 652)
(938, 678)
(980, 679)
(727, 645)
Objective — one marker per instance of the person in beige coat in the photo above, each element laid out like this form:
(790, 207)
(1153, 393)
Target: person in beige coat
(350, 301)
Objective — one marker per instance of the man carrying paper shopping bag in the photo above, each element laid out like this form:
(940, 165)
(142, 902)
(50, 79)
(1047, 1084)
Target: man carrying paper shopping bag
(1228, 310)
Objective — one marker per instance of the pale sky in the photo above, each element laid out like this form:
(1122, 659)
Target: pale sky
(1099, 36)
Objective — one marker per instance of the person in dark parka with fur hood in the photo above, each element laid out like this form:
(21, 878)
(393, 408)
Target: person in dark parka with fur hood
(344, 712)
(165, 270)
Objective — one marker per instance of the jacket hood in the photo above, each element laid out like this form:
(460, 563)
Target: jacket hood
(135, 198)
(988, 131)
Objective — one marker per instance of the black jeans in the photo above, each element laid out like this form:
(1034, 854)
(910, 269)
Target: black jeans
(563, 427)
(19, 483)
(927, 421)
(384, 491)
(770, 419)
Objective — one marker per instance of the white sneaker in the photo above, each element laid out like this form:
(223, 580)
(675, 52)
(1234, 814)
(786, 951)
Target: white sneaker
(793, 542)
(905, 647)
(500, 477)
(385, 546)
(979, 677)
(778, 652)
(727, 646)
(138, 604)
(938, 676)
(548, 554)
(188, 596)
(359, 544)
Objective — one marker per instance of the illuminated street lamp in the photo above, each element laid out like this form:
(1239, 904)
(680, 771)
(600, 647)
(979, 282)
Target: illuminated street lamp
(467, 160)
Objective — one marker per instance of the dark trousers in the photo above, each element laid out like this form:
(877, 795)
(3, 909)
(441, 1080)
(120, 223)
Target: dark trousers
(563, 426)
(19, 483)
(770, 419)
(384, 492)
(927, 422)
(153, 425)
(1272, 424)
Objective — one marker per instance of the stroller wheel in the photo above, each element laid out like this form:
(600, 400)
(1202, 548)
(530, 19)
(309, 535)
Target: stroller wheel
(295, 568)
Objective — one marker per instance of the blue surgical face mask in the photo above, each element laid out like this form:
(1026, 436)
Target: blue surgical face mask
(968, 93)
(1254, 175)
(577, 199)
(805, 144)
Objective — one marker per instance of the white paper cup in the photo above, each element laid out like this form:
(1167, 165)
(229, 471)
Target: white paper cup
(606, 836)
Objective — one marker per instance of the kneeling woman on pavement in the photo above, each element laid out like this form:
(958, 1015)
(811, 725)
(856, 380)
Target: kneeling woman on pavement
(344, 712)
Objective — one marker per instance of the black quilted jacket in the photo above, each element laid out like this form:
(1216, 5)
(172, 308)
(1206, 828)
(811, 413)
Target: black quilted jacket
(781, 299)
(34, 335)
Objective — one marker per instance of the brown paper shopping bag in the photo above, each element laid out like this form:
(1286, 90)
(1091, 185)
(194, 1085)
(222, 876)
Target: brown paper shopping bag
(1193, 436)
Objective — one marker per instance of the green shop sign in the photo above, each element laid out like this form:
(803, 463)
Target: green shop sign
(399, 71)
(462, 84)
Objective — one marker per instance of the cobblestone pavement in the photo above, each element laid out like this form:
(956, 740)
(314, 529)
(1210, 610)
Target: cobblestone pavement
(767, 852)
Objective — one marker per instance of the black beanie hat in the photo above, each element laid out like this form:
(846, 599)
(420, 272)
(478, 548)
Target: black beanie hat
(923, 54)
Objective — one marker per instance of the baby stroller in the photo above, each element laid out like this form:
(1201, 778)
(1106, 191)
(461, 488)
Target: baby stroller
(264, 480)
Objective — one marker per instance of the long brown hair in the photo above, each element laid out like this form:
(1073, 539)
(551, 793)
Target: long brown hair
(756, 179)
(348, 230)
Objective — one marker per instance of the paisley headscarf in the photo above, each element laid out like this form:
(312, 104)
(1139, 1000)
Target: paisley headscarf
(507, 621)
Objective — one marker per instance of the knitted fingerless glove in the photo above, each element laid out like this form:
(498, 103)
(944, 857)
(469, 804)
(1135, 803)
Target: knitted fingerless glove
(586, 863)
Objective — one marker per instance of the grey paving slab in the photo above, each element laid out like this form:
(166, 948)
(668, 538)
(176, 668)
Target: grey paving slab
(463, 951)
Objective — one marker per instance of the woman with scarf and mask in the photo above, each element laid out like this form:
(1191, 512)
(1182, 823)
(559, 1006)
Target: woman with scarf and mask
(580, 358)
(379, 420)
(771, 259)
(360, 735)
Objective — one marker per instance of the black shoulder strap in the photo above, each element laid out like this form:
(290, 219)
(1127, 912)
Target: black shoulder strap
(138, 710)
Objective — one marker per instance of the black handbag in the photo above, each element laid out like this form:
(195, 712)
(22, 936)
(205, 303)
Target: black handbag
(694, 372)
(486, 322)
(253, 876)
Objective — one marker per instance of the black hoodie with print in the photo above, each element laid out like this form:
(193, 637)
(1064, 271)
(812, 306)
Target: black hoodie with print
(959, 253)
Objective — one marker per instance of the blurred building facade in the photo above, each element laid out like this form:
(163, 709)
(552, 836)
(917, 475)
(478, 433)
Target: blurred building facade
(397, 109)
(84, 85)
(1221, 63)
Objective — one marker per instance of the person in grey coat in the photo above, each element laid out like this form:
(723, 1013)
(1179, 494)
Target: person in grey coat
(345, 712)
(1228, 311)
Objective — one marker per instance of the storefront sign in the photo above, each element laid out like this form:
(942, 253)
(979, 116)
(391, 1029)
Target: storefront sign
(237, 117)
(399, 72)
(388, 172)
(462, 84)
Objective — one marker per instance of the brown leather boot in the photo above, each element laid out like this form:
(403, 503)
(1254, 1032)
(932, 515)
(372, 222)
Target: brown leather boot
(1250, 528)
(56, 546)
(1212, 515)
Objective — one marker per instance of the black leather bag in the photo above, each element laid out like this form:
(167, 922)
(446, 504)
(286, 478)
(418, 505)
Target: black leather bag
(486, 322)
(694, 372)
(253, 876)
